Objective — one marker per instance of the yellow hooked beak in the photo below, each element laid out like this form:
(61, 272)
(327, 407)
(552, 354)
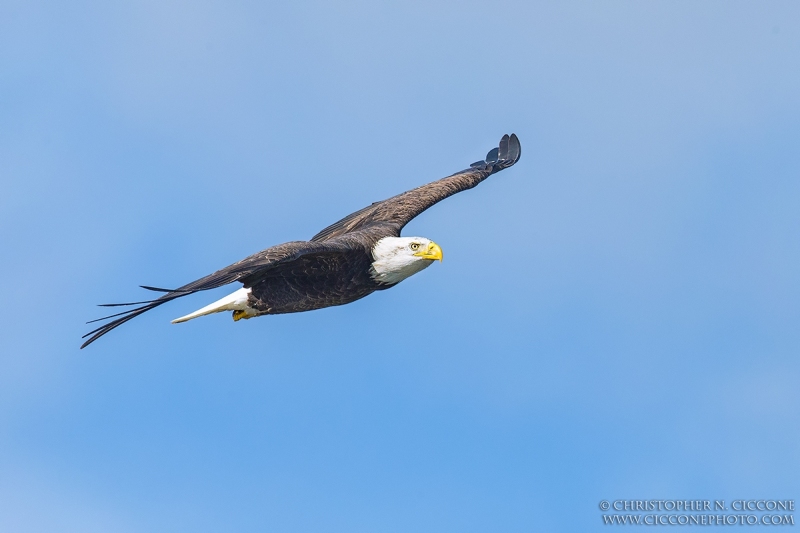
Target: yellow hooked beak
(433, 252)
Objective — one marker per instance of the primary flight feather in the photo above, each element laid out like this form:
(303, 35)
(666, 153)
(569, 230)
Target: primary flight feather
(356, 256)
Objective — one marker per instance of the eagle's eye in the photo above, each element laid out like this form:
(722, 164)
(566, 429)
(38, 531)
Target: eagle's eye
(415, 246)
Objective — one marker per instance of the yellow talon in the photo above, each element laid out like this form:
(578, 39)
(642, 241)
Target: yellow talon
(238, 315)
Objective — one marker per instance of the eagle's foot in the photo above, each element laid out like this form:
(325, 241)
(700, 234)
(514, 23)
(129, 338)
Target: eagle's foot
(238, 315)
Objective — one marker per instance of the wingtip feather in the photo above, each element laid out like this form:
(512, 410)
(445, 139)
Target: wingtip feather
(514, 148)
(507, 153)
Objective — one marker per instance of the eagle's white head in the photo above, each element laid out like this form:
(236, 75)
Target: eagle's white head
(397, 258)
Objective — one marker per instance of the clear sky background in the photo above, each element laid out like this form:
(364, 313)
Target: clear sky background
(616, 316)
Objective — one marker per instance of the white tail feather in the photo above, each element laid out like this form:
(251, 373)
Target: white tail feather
(236, 301)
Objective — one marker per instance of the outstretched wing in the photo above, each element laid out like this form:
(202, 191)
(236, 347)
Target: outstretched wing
(398, 211)
(246, 271)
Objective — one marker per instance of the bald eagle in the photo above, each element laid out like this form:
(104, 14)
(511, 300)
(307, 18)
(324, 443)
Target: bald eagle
(354, 257)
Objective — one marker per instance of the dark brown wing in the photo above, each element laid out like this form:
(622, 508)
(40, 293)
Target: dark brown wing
(246, 271)
(397, 211)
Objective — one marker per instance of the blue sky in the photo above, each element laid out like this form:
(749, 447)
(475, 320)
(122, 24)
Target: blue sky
(616, 316)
